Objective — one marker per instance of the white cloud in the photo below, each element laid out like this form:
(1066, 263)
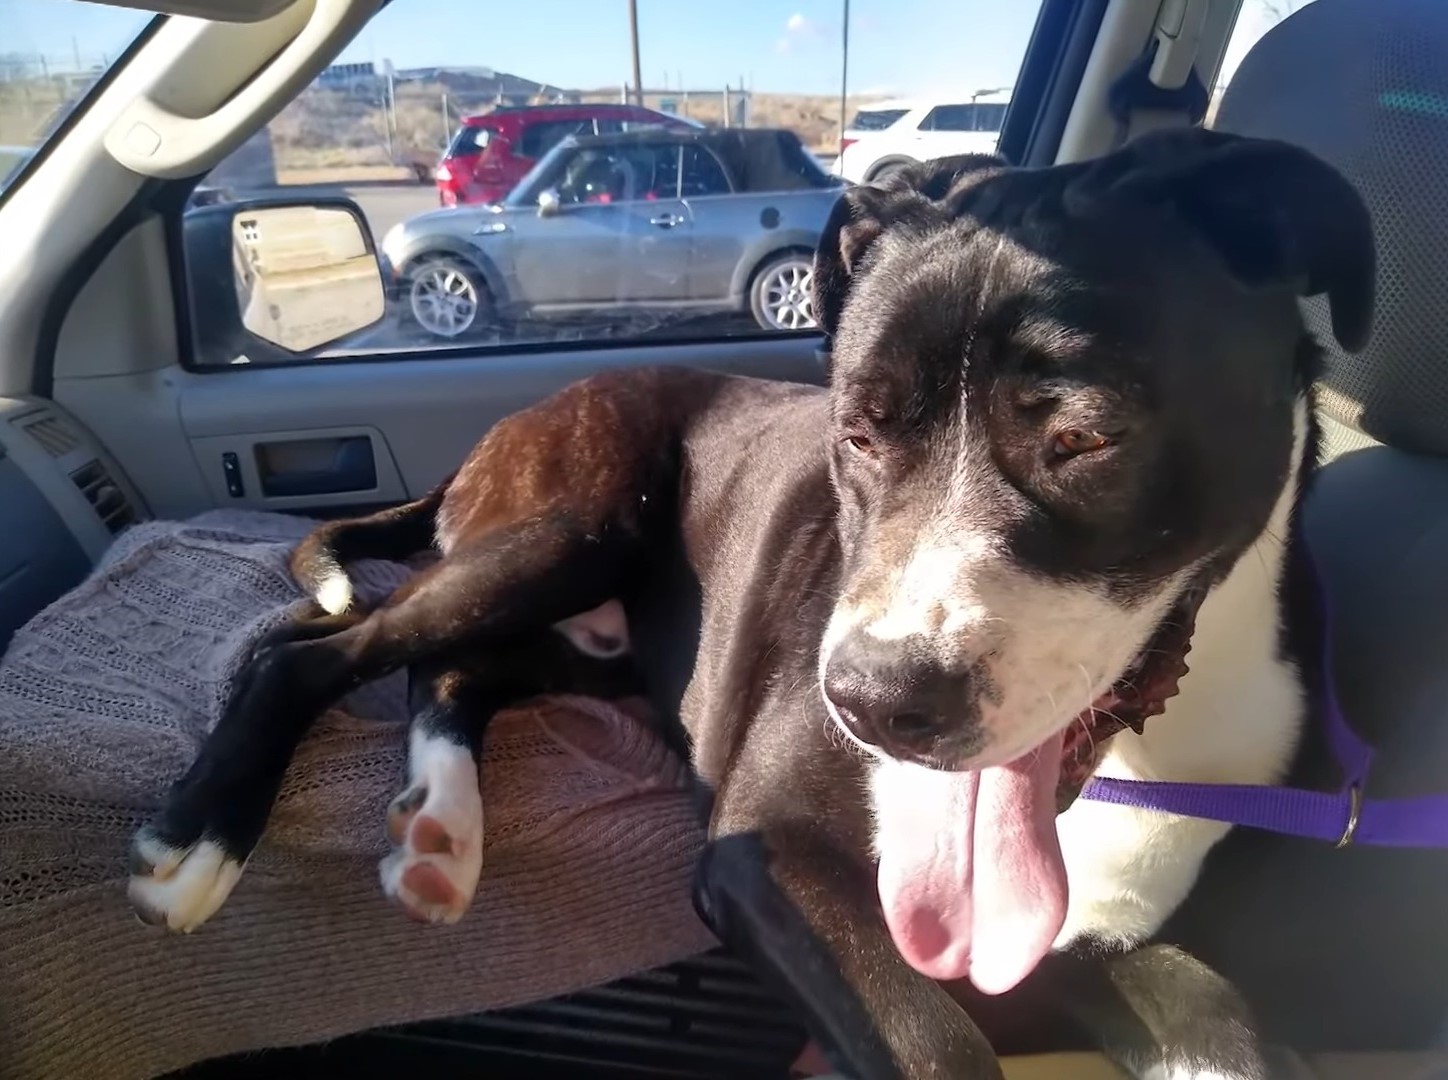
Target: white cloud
(798, 28)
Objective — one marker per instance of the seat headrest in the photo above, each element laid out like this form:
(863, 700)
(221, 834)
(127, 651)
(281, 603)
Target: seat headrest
(1364, 85)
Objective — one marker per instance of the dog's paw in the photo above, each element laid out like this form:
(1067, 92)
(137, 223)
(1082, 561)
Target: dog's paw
(436, 829)
(179, 887)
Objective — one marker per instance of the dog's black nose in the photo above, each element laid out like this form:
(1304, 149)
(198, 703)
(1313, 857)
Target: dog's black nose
(905, 705)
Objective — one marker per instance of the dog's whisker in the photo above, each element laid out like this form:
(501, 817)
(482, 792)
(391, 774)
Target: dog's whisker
(1090, 685)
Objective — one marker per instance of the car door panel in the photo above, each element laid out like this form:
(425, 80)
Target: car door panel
(724, 228)
(655, 265)
(421, 415)
(735, 235)
(592, 255)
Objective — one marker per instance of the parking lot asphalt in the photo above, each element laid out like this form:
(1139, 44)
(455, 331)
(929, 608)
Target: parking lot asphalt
(387, 204)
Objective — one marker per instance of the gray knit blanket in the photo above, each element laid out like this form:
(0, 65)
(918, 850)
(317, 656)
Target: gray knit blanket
(104, 699)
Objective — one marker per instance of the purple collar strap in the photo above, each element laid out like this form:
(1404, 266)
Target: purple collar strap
(1344, 817)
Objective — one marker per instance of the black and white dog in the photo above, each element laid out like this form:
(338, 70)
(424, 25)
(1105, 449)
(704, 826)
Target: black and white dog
(901, 621)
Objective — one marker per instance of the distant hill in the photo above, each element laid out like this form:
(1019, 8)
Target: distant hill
(342, 120)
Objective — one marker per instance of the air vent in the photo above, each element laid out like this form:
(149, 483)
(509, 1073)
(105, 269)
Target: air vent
(704, 1019)
(53, 434)
(108, 500)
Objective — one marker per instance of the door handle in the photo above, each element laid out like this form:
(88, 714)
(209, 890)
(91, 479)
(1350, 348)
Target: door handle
(667, 221)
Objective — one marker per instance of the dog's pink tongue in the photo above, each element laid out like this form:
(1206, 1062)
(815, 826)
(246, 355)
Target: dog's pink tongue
(984, 893)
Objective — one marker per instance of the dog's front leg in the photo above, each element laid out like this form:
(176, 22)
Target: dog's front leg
(805, 916)
(436, 823)
(1160, 1013)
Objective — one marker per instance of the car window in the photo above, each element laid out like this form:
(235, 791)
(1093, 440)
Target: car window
(52, 52)
(376, 127)
(636, 173)
(469, 140)
(990, 115)
(949, 118)
(977, 116)
(876, 119)
(12, 160)
(537, 139)
(1255, 19)
(702, 174)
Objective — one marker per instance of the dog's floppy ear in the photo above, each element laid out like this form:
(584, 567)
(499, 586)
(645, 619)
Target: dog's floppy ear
(856, 222)
(911, 196)
(1275, 212)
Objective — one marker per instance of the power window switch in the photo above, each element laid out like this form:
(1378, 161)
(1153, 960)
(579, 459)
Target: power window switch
(231, 469)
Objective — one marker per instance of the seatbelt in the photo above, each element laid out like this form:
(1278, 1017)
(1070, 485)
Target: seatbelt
(1344, 816)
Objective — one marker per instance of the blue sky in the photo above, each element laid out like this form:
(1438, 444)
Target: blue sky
(781, 45)
(896, 46)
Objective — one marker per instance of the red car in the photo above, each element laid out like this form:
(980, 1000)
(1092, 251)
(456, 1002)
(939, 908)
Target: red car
(492, 152)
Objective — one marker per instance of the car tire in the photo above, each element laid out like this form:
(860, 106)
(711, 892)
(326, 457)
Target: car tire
(887, 170)
(779, 294)
(447, 298)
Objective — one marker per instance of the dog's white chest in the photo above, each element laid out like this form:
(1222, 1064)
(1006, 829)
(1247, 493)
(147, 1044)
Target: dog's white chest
(1235, 721)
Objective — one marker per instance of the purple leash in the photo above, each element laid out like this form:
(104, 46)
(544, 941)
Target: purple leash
(1344, 817)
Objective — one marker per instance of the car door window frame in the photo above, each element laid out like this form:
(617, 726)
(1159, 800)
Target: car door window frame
(1042, 95)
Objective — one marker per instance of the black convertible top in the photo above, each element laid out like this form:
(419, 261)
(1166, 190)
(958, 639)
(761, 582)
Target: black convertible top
(755, 159)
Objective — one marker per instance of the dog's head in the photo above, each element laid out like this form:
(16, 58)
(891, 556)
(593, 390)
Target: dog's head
(1063, 402)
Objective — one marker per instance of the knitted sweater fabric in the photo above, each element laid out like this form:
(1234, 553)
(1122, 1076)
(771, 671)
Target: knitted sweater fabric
(105, 698)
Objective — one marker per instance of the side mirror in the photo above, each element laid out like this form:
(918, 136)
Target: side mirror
(549, 203)
(306, 273)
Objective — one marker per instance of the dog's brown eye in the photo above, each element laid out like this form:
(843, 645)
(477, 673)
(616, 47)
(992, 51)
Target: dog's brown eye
(1076, 441)
(860, 444)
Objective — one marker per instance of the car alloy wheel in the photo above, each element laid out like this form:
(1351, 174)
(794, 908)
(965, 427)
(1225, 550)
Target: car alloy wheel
(783, 298)
(445, 298)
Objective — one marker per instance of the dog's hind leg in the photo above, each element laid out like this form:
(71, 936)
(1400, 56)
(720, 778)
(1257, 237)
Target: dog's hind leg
(513, 581)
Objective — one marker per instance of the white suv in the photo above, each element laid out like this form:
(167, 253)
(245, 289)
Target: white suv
(886, 136)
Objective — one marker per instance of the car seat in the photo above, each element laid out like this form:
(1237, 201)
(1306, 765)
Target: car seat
(1348, 949)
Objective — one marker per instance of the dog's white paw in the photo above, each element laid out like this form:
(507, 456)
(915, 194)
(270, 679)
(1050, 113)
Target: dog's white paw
(179, 888)
(436, 829)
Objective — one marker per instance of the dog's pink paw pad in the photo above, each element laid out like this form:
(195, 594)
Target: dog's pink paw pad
(430, 837)
(428, 884)
(436, 830)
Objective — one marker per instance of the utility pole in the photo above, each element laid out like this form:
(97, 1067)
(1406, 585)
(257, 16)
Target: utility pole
(633, 29)
(844, 72)
(391, 112)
